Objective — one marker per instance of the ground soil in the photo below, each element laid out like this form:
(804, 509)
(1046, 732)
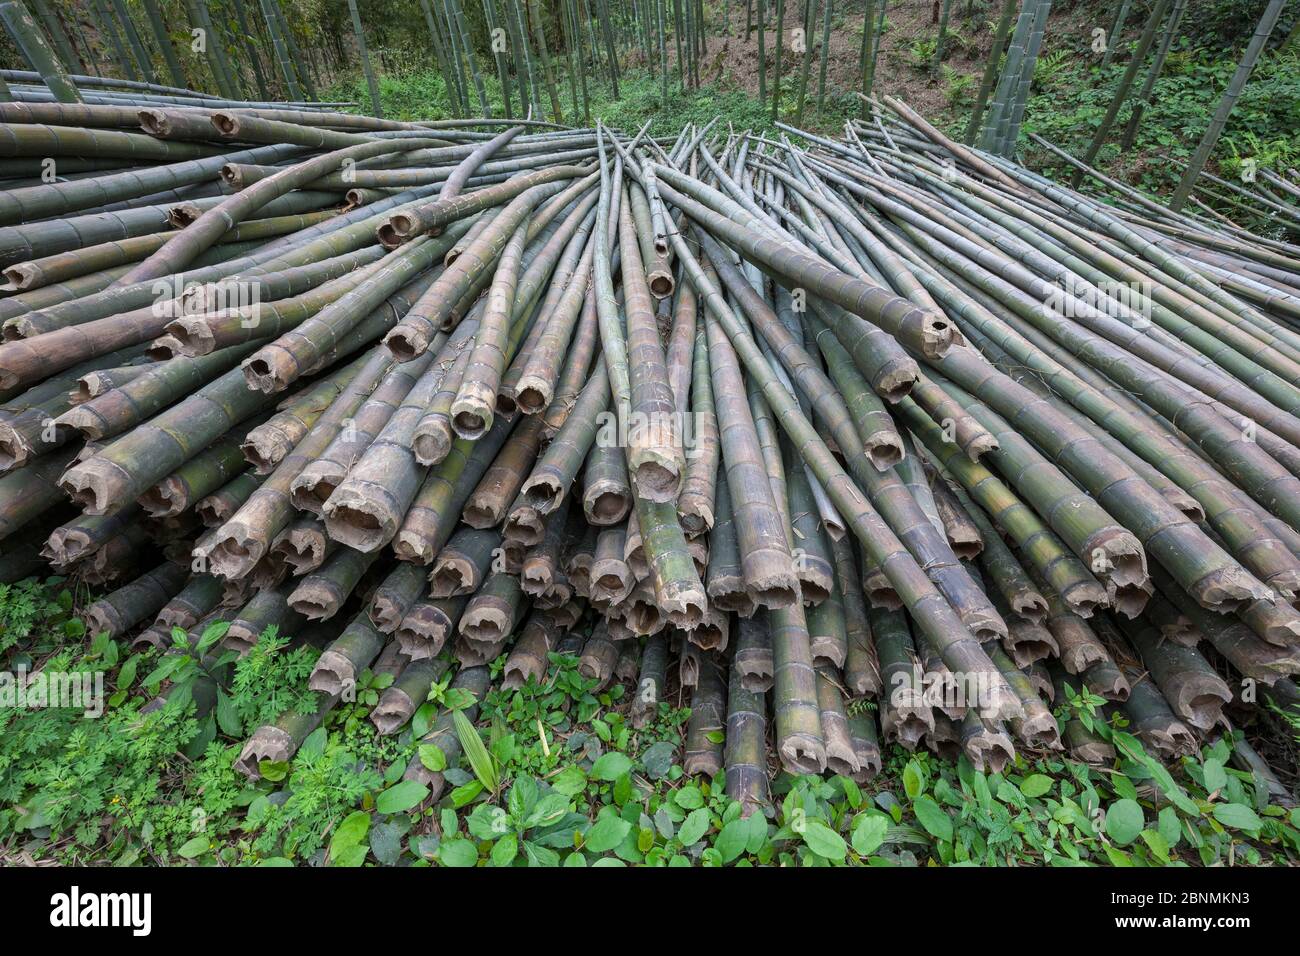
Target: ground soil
(733, 60)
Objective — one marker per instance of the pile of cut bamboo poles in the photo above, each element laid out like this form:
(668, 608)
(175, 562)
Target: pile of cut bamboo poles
(872, 440)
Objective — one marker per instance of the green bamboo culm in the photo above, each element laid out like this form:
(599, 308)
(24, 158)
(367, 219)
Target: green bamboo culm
(108, 28)
(762, 52)
(809, 11)
(868, 34)
(250, 47)
(521, 39)
(570, 55)
(523, 75)
(1143, 98)
(1000, 34)
(940, 40)
(455, 40)
(212, 51)
(1247, 65)
(679, 27)
(1116, 28)
(607, 32)
(59, 37)
(999, 111)
(468, 44)
(663, 54)
(297, 61)
(581, 58)
(281, 50)
(1008, 144)
(1121, 91)
(647, 34)
(37, 52)
(776, 69)
(539, 30)
(376, 108)
(450, 76)
(138, 51)
(498, 54)
(825, 54)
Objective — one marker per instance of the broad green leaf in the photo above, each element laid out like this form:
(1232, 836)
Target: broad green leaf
(1238, 816)
(731, 841)
(689, 797)
(227, 715)
(611, 766)
(433, 758)
(824, 841)
(505, 850)
(457, 852)
(211, 634)
(570, 781)
(465, 793)
(606, 833)
(933, 817)
(1169, 827)
(352, 830)
(548, 810)
(1156, 843)
(913, 780)
(1036, 785)
(868, 833)
(693, 827)
(1124, 821)
(193, 847)
(273, 770)
(1215, 777)
(401, 796)
(622, 787)
(314, 745)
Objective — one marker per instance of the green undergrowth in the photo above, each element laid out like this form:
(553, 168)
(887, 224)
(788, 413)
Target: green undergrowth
(1066, 109)
(554, 775)
(423, 95)
(1069, 96)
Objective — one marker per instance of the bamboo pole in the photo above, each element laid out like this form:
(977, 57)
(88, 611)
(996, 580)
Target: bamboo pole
(1205, 147)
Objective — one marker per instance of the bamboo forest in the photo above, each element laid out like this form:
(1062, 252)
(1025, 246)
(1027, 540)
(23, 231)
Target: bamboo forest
(657, 433)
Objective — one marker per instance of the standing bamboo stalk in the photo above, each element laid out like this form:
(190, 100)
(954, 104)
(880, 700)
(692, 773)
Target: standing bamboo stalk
(1205, 147)
(28, 37)
(1143, 99)
(364, 54)
(1125, 84)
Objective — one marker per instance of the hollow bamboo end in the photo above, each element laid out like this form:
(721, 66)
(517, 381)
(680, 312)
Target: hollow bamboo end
(471, 418)
(532, 395)
(1229, 588)
(233, 554)
(18, 277)
(267, 743)
(606, 502)
(164, 500)
(333, 672)
(97, 484)
(191, 334)
(432, 444)
(802, 753)
(392, 712)
(452, 576)
(364, 522)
